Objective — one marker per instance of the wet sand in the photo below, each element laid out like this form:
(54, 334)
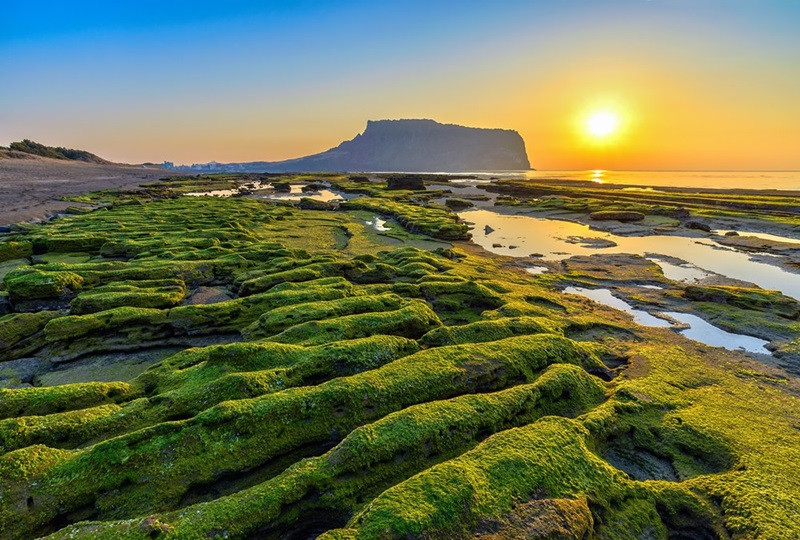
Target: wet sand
(30, 189)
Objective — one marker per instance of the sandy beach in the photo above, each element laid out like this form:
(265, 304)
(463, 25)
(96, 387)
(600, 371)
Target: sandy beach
(31, 189)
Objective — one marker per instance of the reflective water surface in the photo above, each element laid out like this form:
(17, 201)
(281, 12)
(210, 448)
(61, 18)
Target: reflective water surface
(535, 235)
(709, 334)
(604, 296)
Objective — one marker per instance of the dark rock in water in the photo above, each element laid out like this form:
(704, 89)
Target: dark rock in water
(458, 204)
(612, 215)
(413, 183)
(405, 145)
(487, 230)
(283, 187)
(314, 186)
(731, 233)
(208, 295)
(678, 213)
(698, 225)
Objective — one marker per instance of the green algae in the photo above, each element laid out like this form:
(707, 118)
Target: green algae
(32, 283)
(144, 294)
(15, 250)
(401, 391)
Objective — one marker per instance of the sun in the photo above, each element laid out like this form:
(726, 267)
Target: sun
(602, 124)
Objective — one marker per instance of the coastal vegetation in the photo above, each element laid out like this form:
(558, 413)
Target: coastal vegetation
(55, 152)
(271, 368)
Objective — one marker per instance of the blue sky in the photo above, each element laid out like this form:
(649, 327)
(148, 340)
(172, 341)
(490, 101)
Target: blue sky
(195, 81)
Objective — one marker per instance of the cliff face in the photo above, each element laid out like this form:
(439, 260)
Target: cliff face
(409, 145)
(419, 145)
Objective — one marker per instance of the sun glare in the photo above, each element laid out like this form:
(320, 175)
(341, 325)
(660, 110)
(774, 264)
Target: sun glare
(602, 124)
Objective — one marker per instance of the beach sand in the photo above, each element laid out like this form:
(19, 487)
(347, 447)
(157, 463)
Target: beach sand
(30, 189)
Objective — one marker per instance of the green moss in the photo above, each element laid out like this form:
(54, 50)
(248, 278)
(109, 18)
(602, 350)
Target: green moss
(278, 319)
(32, 284)
(436, 222)
(144, 294)
(746, 298)
(491, 330)
(21, 333)
(304, 273)
(242, 434)
(393, 448)
(74, 326)
(412, 321)
(331, 425)
(15, 250)
(49, 400)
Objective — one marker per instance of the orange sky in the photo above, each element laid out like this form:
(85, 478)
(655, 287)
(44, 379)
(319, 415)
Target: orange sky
(697, 85)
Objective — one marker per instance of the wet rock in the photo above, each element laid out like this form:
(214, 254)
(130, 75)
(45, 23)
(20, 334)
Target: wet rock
(731, 233)
(591, 242)
(563, 519)
(208, 295)
(458, 204)
(5, 304)
(697, 225)
(313, 204)
(282, 187)
(22, 371)
(314, 186)
(412, 183)
(487, 230)
(612, 215)
(679, 213)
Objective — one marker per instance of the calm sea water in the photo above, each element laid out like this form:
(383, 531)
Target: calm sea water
(783, 180)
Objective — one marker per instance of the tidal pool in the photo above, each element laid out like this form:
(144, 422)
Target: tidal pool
(704, 332)
(536, 270)
(244, 188)
(699, 330)
(297, 193)
(495, 232)
(765, 236)
(604, 296)
(378, 224)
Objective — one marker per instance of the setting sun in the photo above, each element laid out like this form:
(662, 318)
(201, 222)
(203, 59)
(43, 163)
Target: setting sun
(602, 124)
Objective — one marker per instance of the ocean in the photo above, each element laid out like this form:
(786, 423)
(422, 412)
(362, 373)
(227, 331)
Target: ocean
(780, 180)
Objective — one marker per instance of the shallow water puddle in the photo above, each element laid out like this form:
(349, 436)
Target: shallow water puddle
(680, 272)
(244, 188)
(536, 270)
(699, 330)
(604, 296)
(378, 224)
(765, 236)
(495, 232)
(324, 195)
(704, 332)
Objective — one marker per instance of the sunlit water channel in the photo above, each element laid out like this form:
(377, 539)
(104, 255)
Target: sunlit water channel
(521, 236)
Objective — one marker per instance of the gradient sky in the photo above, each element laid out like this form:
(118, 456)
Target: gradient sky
(698, 84)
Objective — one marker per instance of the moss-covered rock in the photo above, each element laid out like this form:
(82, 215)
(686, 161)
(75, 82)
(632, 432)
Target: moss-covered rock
(33, 284)
(15, 250)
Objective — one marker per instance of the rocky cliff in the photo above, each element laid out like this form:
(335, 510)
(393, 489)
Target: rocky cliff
(410, 145)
